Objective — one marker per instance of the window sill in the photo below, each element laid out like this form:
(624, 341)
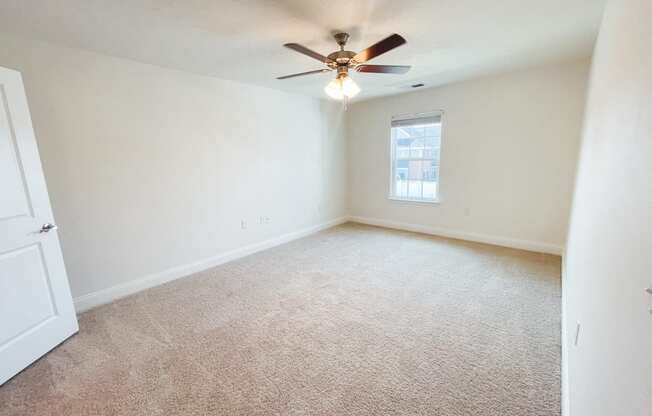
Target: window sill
(415, 201)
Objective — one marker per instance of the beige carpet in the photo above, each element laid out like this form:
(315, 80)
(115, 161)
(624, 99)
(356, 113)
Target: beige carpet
(355, 320)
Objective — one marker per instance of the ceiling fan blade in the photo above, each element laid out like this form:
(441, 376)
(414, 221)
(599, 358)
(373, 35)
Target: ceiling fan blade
(302, 49)
(318, 71)
(387, 44)
(383, 69)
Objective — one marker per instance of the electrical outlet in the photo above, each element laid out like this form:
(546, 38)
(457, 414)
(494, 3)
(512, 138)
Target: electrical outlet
(243, 224)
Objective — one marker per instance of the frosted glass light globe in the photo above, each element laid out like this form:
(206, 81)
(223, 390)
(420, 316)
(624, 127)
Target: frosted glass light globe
(342, 86)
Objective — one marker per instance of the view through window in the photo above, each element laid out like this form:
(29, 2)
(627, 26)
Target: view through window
(416, 143)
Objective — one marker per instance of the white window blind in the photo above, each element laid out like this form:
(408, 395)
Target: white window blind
(416, 144)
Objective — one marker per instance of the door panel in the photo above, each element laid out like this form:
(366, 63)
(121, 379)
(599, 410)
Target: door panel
(23, 271)
(13, 198)
(36, 309)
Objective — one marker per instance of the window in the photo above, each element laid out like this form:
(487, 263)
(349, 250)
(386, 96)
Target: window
(416, 141)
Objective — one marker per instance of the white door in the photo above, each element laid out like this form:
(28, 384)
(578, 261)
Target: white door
(36, 309)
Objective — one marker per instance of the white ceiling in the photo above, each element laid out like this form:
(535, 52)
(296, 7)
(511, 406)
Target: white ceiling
(447, 40)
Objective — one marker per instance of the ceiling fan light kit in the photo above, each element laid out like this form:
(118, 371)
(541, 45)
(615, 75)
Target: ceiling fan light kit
(343, 87)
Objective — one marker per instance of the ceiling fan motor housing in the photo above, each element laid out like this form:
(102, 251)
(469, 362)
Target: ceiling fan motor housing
(341, 58)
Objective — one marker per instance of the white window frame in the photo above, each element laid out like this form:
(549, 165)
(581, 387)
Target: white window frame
(391, 196)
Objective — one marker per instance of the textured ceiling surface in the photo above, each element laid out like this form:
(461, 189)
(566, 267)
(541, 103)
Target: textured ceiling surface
(242, 40)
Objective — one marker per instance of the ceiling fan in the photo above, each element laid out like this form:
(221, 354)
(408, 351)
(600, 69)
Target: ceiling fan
(343, 87)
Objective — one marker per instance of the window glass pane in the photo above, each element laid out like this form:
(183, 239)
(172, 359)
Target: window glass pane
(415, 165)
(429, 190)
(435, 156)
(429, 147)
(414, 191)
(402, 133)
(417, 131)
(416, 149)
(401, 186)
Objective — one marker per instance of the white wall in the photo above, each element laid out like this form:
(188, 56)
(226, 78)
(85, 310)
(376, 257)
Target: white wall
(509, 151)
(149, 168)
(609, 260)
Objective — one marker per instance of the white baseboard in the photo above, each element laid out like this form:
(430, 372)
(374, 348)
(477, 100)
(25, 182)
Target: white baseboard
(463, 235)
(100, 297)
(91, 300)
